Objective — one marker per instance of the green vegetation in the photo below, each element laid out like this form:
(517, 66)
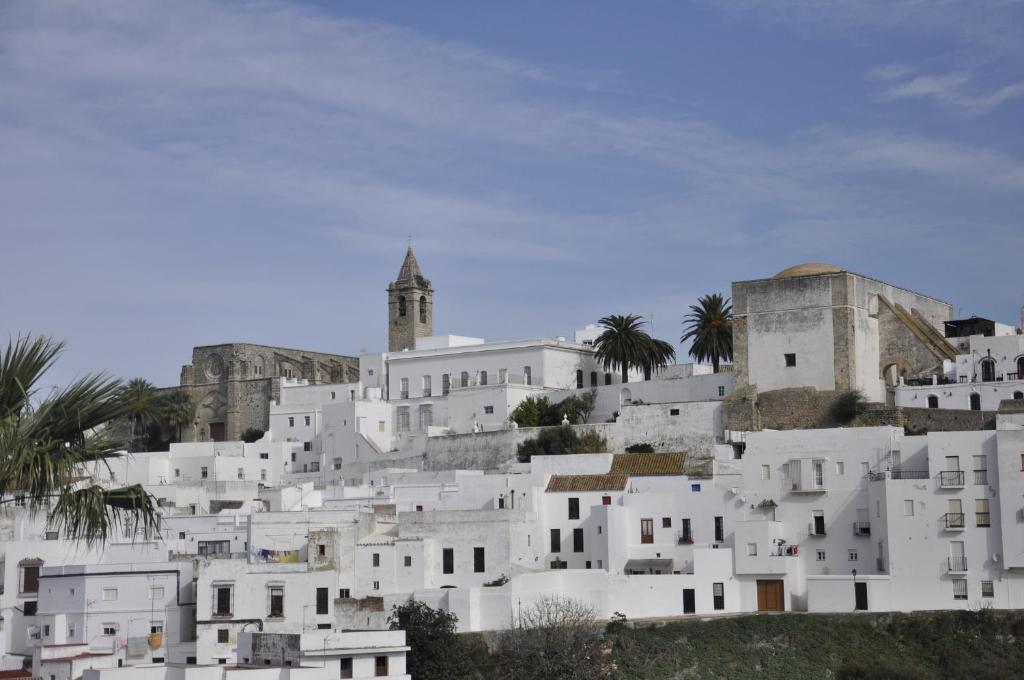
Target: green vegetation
(557, 441)
(252, 434)
(438, 652)
(623, 345)
(709, 326)
(964, 645)
(640, 448)
(539, 412)
(47, 439)
(847, 407)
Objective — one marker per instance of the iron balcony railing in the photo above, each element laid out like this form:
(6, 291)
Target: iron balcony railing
(983, 519)
(951, 479)
(957, 563)
(897, 474)
(953, 520)
(862, 528)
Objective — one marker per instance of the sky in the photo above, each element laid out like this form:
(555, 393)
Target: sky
(184, 173)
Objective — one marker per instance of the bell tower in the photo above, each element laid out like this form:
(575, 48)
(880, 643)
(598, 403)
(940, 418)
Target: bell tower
(410, 306)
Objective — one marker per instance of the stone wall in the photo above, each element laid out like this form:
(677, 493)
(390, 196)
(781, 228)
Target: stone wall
(922, 420)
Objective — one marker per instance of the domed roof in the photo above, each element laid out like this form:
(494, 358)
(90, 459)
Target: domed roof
(808, 269)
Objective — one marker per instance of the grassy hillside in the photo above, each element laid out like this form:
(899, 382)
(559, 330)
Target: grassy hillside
(950, 645)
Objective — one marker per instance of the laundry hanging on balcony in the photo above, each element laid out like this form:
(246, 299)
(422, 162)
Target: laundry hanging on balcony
(278, 556)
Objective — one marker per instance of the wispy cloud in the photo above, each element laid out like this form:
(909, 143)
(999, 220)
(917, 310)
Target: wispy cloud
(955, 91)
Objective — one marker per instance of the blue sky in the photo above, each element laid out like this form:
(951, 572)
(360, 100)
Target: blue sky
(183, 173)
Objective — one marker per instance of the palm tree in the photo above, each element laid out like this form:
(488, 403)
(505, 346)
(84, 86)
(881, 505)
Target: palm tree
(47, 443)
(178, 409)
(143, 409)
(709, 325)
(624, 345)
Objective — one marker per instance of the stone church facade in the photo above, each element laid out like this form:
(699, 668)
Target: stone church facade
(232, 384)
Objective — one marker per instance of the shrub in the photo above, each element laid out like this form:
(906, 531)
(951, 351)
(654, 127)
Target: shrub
(591, 442)
(847, 407)
(640, 448)
(252, 434)
(551, 441)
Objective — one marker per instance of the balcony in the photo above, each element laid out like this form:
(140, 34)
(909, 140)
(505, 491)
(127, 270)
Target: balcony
(897, 474)
(952, 521)
(957, 564)
(951, 479)
(983, 519)
(685, 538)
(862, 528)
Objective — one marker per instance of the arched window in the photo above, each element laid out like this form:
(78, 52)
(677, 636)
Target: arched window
(465, 378)
(607, 378)
(426, 416)
(1018, 396)
(401, 305)
(933, 401)
(988, 370)
(593, 378)
(975, 401)
(446, 383)
(423, 309)
(1020, 368)
(579, 379)
(483, 377)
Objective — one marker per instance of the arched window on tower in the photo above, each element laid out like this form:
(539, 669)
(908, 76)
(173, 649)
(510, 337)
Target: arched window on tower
(401, 305)
(423, 309)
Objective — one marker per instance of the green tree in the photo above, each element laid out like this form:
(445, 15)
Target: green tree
(178, 409)
(252, 434)
(438, 652)
(48, 442)
(709, 326)
(847, 407)
(143, 409)
(578, 407)
(551, 441)
(624, 345)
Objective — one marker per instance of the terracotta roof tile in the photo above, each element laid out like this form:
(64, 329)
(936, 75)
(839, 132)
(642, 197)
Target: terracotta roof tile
(610, 482)
(649, 464)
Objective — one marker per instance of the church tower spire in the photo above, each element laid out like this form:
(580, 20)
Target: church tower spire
(410, 306)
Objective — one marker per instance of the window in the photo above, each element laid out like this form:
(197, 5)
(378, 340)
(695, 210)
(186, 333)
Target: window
(502, 376)
(593, 378)
(264, 456)
(307, 421)
(110, 594)
(988, 589)
(478, 560)
(975, 406)
(579, 379)
(307, 446)
(527, 375)
(981, 512)
(908, 508)
(790, 360)
(293, 456)
(321, 601)
(156, 626)
(376, 559)
(333, 396)
(203, 472)
(30, 579)
(766, 472)
(751, 549)
(380, 666)
(344, 593)
(426, 386)
(423, 309)
(448, 561)
(695, 488)
(719, 529)
(577, 540)
(933, 401)
(718, 594)
(177, 472)
(337, 463)
(30, 608)
(483, 377)
(110, 629)
(607, 378)
(214, 547)
(291, 421)
(464, 379)
(222, 635)
(574, 508)
(276, 601)
(721, 390)
(981, 470)
(673, 411)
(401, 305)
(488, 410)
(222, 600)
(556, 540)
(156, 592)
(666, 522)
(408, 560)
(404, 389)
(852, 555)
(446, 384)
(321, 550)
(818, 526)
(821, 555)
(959, 589)
(559, 564)
(263, 475)
(687, 534)
(241, 473)
(606, 500)
(346, 668)
(647, 531)
(840, 468)
(426, 412)
(402, 414)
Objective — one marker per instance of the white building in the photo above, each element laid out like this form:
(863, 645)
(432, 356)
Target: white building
(351, 654)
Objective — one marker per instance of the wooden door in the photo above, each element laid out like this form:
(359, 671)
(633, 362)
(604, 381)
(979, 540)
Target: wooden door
(216, 432)
(769, 596)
